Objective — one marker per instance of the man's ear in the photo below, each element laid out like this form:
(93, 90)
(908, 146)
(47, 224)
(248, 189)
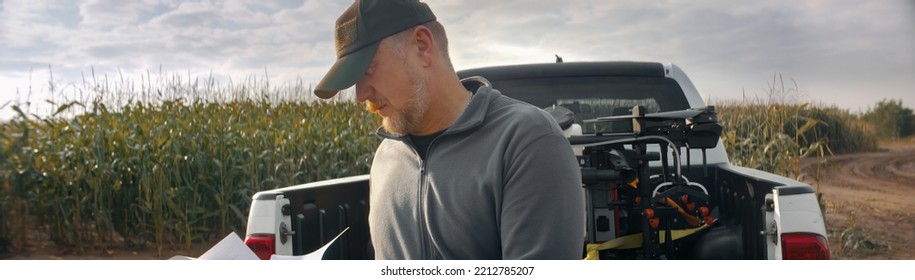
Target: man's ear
(425, 44)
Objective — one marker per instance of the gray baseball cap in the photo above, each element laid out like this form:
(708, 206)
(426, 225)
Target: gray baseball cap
(358, 32)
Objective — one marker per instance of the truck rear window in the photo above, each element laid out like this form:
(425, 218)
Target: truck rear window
(593, 97)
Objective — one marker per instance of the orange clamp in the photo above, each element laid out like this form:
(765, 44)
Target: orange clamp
(703, 211)
(654, 222)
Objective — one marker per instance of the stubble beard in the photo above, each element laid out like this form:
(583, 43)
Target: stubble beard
(409, 119)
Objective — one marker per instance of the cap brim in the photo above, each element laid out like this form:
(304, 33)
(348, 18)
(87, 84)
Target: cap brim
(346, 71)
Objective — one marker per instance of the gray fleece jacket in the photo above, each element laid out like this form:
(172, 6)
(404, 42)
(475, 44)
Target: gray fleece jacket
(501, 183)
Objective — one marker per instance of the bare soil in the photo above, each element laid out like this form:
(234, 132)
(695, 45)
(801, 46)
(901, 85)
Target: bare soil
(869, 199)
(44, 249)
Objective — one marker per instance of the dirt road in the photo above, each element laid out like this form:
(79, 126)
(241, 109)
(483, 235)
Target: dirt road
(870, 201)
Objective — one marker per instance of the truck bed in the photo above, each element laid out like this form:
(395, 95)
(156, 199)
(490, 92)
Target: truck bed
(321, 210)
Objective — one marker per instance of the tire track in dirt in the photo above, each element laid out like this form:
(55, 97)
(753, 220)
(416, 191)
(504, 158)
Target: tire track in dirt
(870, 196)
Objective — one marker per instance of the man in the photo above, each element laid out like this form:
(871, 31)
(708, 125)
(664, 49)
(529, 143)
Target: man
(459, 175)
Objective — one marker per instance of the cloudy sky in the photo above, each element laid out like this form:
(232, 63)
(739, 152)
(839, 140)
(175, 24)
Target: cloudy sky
(846, 53)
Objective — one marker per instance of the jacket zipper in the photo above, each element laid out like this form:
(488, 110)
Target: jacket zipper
(427, 246)
(423, 234)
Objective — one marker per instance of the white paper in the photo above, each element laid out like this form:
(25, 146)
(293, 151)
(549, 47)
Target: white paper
(316, 255)
(232, 247)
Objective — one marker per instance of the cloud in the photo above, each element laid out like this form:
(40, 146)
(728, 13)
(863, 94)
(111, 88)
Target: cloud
(109, 14)
(724, 48)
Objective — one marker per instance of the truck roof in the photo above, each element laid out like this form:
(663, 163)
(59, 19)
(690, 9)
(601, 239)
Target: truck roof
(568, 69)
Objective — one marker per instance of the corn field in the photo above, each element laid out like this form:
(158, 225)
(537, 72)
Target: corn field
(174, 161)
(157, 173)
(776, 132)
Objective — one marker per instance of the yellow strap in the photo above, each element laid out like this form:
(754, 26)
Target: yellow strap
(635, 241)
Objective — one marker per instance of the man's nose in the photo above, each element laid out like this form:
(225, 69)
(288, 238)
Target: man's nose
(363, 91)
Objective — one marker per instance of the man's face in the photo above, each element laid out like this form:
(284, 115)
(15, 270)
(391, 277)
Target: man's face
(394, 89)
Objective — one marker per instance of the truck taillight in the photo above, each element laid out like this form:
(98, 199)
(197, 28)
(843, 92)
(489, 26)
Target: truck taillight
(263, 245)
(804, 246)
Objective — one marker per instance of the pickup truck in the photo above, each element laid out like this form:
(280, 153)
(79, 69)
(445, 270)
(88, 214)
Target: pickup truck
(657, 183)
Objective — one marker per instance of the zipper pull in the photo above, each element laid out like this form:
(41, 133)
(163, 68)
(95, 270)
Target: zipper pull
(422, 168)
